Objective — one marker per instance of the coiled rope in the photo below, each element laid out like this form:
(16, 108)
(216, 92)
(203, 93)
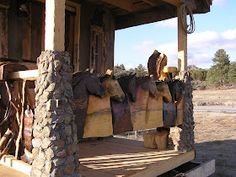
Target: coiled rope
(183, 12)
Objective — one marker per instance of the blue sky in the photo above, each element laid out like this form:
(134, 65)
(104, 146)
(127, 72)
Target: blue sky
(214, 30)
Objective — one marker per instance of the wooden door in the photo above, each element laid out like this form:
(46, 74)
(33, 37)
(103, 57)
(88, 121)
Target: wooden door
(70, 34)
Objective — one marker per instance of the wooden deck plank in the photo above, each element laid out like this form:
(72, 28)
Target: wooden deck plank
(122, 157)
(9, 172)
(118, 157)
(10, 162)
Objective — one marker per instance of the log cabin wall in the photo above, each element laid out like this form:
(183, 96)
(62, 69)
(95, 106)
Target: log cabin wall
(22, 33)
(25, 31)
(96, 17)
(4, 29)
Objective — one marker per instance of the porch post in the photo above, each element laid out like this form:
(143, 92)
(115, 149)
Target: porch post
(55, 25)
(182, 43)
(182, 136)
(54, 129)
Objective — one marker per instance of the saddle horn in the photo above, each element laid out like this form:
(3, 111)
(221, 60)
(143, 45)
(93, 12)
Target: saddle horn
(109, 72)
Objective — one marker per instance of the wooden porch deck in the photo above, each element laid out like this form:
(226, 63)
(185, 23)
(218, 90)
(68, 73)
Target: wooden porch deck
(112, 157)
(122, 157)
(10, 172)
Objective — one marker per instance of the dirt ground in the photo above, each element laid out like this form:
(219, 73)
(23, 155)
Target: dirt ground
(215, 97)
(215, 133)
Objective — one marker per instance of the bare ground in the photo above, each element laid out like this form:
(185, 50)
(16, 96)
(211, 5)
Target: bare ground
(215, 133)
(215, 97)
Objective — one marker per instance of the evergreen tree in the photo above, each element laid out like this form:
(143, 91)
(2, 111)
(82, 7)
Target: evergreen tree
(141, 70)
(118, 69)
(218, 73)
(198, 74)
(232, 72)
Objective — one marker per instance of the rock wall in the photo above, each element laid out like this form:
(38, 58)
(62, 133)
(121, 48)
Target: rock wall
(54, 130)
(182, 137)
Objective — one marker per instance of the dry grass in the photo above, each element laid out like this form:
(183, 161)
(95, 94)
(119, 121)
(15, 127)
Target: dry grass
(215, 97)
(210, 126)
(215, 133)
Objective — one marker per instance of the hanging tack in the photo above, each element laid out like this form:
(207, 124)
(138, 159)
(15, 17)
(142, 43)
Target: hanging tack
(19, 137)
(5, 138)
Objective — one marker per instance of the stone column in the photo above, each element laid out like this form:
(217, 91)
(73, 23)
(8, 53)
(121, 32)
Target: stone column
(54, 130)
(183, 137)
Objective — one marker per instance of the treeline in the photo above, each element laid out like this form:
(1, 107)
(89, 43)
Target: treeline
(222, 72)
(140, 70)
(198, 74)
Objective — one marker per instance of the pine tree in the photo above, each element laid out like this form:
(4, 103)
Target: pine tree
(218, 73)
(232, 72)
(118, 69)
(141, 70)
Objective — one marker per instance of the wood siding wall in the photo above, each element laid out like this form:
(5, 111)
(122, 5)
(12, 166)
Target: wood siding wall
(22, 37)
(3, 32)
(108, 26)
(25, 32)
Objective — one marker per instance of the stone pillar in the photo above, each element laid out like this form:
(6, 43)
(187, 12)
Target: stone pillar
(183, 137)
(54, 129)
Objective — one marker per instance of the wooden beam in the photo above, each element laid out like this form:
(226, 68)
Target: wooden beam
(174, 2)
(4, 4)
(191, 4)
(70, 5)
(42, 1)
(202, 6)
(155, 14)
(123, 4)
(24, 75)
(55, 25)
(164, 163)
(205, 169)
(182, 44)
(18, 165)
(150, 2)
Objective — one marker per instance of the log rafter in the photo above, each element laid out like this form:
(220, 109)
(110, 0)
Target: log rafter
(174, 2)
(123, 4)
(144, 17)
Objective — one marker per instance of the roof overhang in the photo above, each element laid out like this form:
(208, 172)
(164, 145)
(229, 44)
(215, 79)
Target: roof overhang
(130, 13)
